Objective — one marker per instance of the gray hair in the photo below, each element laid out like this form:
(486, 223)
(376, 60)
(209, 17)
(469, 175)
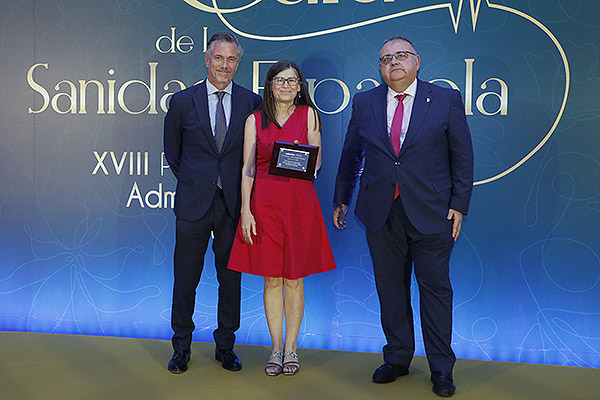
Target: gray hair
(224, 37)
(394, 38)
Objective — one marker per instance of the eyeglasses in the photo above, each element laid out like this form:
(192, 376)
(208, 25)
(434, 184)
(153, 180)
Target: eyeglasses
(400, 56)
(279, 81)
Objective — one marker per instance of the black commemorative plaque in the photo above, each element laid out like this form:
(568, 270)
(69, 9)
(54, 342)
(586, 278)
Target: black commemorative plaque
(294, 160)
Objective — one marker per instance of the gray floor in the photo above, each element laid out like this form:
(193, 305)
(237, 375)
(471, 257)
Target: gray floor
(43, 366)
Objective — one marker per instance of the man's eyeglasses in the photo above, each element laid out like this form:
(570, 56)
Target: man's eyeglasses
(279, 81)
(400, 56)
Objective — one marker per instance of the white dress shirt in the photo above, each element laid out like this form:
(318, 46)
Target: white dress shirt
(408, 102)
(213, 99)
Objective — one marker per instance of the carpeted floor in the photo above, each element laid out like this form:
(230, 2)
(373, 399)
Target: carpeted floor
(44, 366)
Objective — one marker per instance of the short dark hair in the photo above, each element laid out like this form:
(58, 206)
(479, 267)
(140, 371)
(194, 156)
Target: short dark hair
(224, 37)
(394, 38)
(303, 98)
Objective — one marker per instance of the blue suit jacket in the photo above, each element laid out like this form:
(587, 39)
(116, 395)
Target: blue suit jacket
(434, 169)
(191, 151)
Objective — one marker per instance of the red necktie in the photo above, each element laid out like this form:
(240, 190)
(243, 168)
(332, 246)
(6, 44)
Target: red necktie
(396, 130)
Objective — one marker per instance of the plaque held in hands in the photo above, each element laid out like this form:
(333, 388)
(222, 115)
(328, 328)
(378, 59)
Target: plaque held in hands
(294, 160)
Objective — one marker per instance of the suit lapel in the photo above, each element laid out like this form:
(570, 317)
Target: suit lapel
(201, 106)
(420, 106)
(380, 114)
(236, 117)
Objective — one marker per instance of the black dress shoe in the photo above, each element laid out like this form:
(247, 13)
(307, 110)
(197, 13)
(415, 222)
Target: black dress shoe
(228, 359)
(179, 361)
(388, 372)
(443, 385)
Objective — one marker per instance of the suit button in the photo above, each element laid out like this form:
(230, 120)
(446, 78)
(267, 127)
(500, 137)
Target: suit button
(397, 163)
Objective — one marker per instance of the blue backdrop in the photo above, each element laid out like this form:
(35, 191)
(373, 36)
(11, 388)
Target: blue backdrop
(86, 226)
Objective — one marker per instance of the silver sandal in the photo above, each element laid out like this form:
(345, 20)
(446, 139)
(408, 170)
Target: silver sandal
(290, 360)
(274, 366)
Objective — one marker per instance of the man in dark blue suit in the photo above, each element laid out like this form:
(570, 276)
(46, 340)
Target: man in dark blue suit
(203, 138)
(414, 190)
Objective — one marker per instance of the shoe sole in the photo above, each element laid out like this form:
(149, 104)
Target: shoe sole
(445, 394)
(177, 371)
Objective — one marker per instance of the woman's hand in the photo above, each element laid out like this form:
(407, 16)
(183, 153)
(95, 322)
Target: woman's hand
(248, 226)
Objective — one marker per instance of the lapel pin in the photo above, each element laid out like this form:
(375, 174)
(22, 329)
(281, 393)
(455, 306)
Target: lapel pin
(428, 99)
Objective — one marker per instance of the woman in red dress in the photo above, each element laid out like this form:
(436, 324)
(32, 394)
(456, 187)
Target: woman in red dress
(281, 234)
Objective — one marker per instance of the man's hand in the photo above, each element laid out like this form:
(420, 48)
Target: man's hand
(457, 217)
(339, 216)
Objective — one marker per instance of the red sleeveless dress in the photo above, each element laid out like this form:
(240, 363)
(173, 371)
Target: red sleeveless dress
(291, 240)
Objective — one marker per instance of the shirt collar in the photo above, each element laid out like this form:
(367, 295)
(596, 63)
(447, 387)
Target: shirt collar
(211, 89)
(411, 90)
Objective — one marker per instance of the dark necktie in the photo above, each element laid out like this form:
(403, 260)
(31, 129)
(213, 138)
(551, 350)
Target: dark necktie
(396, 131)
(220, 130)
(220, 122)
